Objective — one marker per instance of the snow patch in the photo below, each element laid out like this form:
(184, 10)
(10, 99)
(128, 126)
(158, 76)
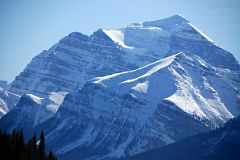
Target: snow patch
(118, 37)
(141, 87)
(36, 99)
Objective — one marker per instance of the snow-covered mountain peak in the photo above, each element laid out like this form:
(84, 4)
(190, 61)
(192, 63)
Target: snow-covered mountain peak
(157, 82)
(32, 110)
(167, 23)
(102, 38)
(184, 79)
(77, 57)
(179, 24)
(79, 36)
(49, 103)
(157, 39)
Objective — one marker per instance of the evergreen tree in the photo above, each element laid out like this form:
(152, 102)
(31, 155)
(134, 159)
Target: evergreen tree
(35, 153)
(29, 149)
(41, 147)
(51, 156)
(12, 147)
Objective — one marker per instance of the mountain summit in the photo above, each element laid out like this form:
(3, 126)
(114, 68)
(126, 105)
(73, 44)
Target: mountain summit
(167, 22)
(77, 57)
(161, 38)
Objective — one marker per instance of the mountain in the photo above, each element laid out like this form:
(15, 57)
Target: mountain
(31, 111)
(158, 82)
(221, 144)
(156, 39)
(69, 64)
(3, 84)
(130, 112)
(76, 58)
(63, 68)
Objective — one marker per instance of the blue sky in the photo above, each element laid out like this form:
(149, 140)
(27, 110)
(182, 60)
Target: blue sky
(29, 26)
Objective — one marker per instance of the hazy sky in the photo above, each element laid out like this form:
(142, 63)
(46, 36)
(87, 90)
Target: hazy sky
(29, 26)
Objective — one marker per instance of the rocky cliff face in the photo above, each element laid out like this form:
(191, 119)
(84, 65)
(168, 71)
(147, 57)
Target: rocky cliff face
(8, 100)
(69, 64)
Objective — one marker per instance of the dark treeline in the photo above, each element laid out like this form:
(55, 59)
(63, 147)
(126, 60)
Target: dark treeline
(13, 147)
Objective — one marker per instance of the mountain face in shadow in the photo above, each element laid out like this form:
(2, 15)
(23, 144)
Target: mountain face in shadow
(221, 144)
